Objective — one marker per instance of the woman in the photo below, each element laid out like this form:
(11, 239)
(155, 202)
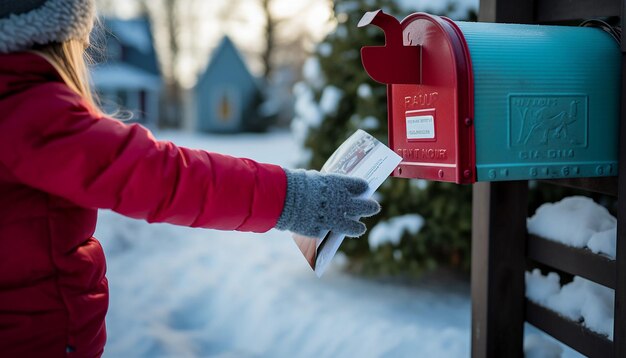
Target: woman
(61, 159)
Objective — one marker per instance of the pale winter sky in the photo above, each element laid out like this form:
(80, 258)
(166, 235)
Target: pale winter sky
(207, 21)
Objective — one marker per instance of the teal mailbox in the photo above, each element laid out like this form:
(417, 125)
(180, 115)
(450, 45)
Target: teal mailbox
(483, 102)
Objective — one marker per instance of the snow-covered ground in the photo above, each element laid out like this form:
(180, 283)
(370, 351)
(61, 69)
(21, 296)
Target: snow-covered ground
(179, 292)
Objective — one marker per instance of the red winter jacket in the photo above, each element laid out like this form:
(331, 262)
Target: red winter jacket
(59, 162)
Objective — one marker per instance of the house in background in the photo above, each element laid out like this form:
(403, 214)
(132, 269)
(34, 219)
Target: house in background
(127, 76)
(227, 95)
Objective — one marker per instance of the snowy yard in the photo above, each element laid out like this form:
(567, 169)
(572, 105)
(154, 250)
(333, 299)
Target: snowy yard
(179, 292)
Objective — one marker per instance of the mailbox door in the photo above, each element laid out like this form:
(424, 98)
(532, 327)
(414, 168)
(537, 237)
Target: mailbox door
(431, 124)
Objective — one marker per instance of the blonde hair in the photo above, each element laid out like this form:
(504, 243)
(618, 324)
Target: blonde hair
(72, 63)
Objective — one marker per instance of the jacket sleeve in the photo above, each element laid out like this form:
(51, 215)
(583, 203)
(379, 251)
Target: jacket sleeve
(53, 142)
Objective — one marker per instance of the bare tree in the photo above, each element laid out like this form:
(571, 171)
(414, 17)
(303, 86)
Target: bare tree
(271, 23)
(168, 21)
(173, 88)
(285, 38)
(281, 35)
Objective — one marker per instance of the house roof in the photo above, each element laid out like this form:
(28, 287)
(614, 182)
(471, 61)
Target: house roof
(225, 45)
(128, 41)
(135, 33)
(119, 75)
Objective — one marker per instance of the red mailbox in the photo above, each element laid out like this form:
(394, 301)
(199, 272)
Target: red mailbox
(474, 102)
(428, 76)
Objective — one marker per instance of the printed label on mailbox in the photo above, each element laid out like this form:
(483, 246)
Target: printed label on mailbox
(547, 126)
(420, 127)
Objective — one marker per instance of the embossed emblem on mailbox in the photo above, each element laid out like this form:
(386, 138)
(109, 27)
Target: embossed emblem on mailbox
(547, 123)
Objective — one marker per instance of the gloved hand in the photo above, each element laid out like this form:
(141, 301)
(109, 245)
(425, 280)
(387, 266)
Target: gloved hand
(318, 202)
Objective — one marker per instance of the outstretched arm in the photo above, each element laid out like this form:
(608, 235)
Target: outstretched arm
(51, 141)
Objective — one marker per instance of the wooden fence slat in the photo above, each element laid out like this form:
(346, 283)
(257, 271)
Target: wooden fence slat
(569, 332)
(603, 185)
(575, 261)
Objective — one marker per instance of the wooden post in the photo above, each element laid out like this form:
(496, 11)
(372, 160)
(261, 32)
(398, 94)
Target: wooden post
(499, 213)
(506, 11)
(619, 328)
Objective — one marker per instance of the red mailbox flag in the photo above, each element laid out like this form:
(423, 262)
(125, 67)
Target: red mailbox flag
(394, 62)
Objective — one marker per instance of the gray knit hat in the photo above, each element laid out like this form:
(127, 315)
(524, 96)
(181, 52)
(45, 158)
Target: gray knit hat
(24, 23)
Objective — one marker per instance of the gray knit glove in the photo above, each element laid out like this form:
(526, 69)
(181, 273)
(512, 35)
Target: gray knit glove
(317, 203)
